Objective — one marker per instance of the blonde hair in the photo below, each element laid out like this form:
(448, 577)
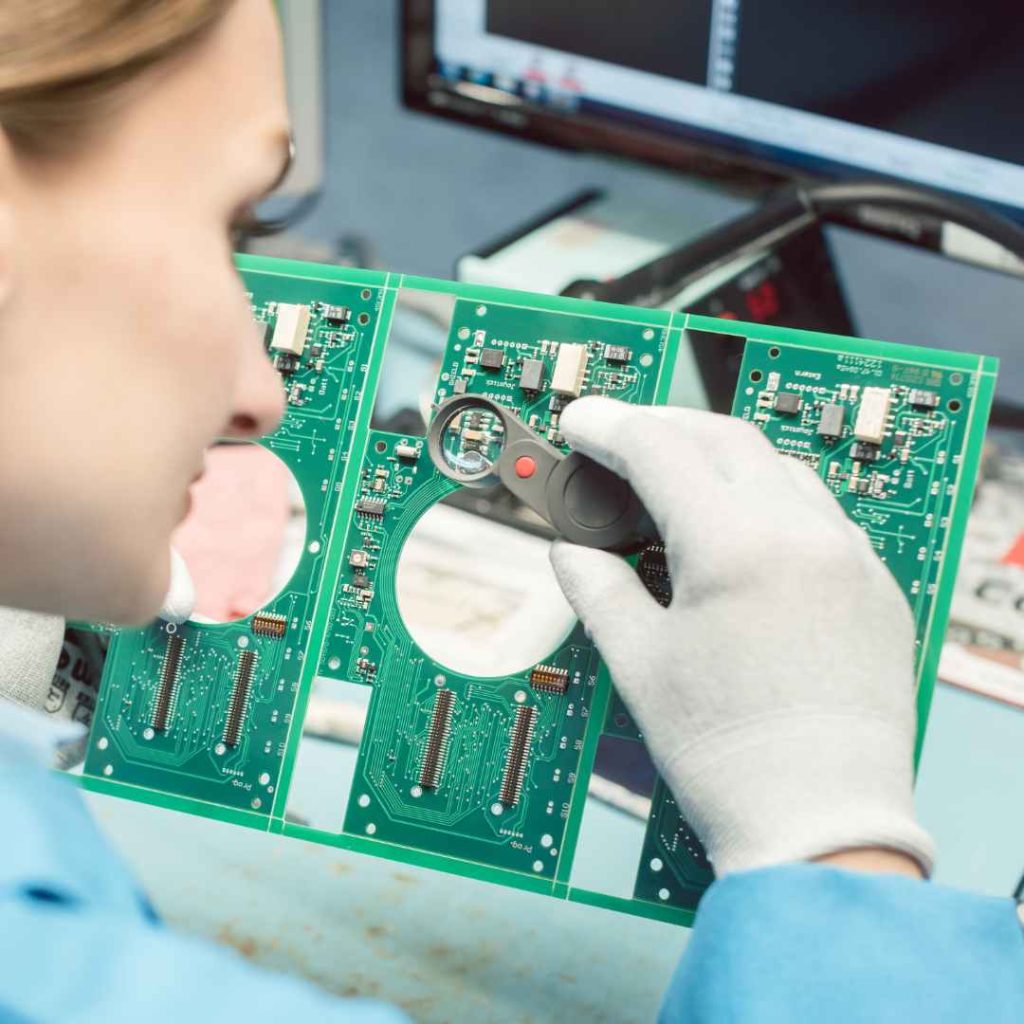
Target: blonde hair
(64, 62)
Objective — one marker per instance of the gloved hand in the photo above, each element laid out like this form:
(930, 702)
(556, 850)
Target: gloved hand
(43, 668)
(776, 692)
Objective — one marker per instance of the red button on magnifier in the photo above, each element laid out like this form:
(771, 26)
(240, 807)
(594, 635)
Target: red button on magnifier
(525, 466)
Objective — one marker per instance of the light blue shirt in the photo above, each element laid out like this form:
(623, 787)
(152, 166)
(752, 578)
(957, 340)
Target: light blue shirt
(80, 942)
(811, 943)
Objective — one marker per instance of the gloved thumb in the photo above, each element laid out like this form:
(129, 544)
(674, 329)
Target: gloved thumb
(608, 596)
(180, 601)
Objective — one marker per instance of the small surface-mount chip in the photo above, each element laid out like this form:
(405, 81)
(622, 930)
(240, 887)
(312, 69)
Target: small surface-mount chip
(922, 399)
(863, 452)
(787, 403)
(652, 567)
(831, 422)
(371, 506)
(269, 624)
(409, 452)
(337, 314)
(531, 377)
(549, 677)
(492, 359)
(618, 353)
(358, 558)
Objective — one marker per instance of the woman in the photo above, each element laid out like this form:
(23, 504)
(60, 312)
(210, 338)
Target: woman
(135, 135)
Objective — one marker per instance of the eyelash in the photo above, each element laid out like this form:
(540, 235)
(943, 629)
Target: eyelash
(249, 225)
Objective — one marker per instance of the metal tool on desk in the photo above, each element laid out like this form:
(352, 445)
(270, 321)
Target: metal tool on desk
(477, 442)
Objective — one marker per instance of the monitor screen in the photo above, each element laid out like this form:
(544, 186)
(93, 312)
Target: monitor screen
(927, 92)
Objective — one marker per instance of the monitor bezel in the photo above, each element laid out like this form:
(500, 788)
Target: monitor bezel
(727, 163)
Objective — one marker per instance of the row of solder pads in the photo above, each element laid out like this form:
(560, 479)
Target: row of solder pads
(270, 625)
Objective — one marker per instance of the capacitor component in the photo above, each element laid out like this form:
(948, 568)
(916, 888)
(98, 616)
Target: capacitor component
(570, 369)
(290, 329)
(872, 415)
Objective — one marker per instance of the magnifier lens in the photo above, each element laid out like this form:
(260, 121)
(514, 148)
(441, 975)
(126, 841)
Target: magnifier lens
(472, 440)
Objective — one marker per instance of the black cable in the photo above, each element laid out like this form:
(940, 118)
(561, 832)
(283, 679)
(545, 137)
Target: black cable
(827, 201)
(786, 213)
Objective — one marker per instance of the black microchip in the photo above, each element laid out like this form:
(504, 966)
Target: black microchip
(787, 403)
(864, 452)
(618, 353)
(531, 377)
(371, 506)
(831, 422)
(652, 568)
(360, 579)
(492, 359)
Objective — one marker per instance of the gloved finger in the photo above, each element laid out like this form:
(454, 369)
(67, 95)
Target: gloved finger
(812, 488)
(733, 448)
(683, 465)
(610, 599)
(629, 441)
(181, 593)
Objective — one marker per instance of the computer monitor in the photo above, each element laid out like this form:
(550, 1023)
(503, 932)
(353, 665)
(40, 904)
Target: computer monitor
(926, 92)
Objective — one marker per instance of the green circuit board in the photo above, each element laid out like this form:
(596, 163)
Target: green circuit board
(489, 777)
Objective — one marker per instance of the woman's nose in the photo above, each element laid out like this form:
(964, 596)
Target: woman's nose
(259, 401)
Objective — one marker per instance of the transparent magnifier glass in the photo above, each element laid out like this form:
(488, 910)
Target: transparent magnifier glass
(471, 441)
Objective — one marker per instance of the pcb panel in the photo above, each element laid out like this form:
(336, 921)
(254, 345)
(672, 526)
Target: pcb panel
(205, 709)
(489, 776)
(498, 784)
(887, 437)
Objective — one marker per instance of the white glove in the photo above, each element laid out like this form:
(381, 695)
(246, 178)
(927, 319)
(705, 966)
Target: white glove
(776, 692)
(36, 672)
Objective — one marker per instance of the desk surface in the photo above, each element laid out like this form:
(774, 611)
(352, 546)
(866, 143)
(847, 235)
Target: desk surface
(446, 948)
